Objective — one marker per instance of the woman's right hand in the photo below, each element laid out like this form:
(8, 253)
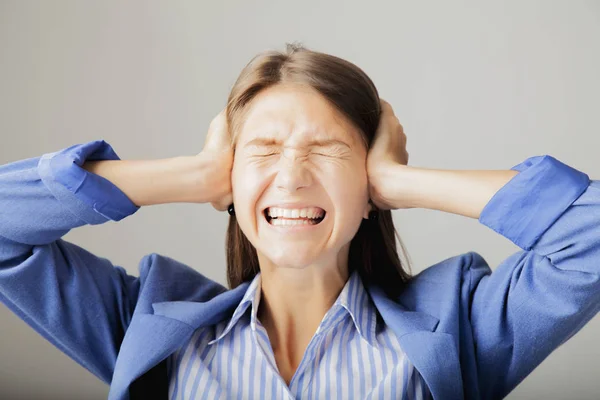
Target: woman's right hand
(218, 153)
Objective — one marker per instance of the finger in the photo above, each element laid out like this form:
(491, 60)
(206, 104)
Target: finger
(386, 107)
(227, 200)
(218, 137)
(219, 206)
(223, 203)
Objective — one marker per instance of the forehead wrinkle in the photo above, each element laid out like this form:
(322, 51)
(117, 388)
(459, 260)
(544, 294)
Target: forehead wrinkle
(272, 133)
(320, 141)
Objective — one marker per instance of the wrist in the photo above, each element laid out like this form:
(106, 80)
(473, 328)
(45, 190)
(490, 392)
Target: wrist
(160, 181)
(212, 178)
(461, 192)
(390, 188)
(410, 187)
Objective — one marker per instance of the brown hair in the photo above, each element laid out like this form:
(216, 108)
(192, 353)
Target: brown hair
(373, 249)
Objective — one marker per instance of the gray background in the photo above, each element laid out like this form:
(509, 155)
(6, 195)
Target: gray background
(476, 86)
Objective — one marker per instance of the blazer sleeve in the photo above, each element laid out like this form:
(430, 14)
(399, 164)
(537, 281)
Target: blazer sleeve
(78, 301)
(540, 297)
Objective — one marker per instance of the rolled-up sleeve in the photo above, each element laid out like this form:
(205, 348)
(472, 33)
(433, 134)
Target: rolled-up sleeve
(78, 301)
(88, 194)
(541, 296)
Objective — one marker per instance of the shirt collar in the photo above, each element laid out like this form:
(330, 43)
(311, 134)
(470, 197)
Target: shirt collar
(251, 297)
(353, 298)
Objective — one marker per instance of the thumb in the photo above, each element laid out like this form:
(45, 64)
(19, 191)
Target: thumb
(218, 137)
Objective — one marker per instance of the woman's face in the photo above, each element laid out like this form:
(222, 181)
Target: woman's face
(299, 178)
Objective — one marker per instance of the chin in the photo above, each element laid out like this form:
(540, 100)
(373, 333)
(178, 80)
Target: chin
(292, 259)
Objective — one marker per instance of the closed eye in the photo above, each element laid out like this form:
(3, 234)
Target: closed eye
(262, 151)
(267, 154)
(332, 152)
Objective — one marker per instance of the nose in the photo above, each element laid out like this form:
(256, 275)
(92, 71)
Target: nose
(292, 173)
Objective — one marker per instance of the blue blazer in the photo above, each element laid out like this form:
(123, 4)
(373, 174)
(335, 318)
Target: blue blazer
(471, 333)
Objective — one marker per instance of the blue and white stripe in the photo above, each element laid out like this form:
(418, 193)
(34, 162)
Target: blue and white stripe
(351, 355)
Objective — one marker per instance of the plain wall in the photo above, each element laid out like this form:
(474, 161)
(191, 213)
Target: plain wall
(476, 86)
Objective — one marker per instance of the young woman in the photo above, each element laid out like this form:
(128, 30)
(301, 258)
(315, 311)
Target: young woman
(309, 162)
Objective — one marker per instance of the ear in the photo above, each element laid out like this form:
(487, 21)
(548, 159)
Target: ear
(367, 209)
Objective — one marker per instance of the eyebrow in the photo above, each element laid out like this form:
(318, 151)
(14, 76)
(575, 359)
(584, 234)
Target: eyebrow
(273, 142)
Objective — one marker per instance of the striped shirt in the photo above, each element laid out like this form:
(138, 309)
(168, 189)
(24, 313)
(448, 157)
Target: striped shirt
(353, 354)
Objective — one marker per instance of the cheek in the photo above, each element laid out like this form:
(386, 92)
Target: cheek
(241, 179)
(348, 186)
(247, 185)
(349, 195)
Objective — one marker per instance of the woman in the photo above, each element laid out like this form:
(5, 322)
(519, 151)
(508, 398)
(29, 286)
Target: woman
(309, 163)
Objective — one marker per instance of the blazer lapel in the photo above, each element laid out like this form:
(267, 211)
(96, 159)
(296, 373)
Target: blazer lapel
(148, 340)
(434, 354)
(151, 338)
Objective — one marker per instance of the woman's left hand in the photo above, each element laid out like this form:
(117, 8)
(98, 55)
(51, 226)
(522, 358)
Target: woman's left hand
(387, 153)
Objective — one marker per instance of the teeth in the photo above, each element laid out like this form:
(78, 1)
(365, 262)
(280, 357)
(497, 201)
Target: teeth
(310, 212)
(291, 222)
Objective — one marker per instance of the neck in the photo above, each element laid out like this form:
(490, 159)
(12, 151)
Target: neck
(294, 302)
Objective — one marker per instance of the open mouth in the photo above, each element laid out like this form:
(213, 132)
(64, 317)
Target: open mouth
(292, 217)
